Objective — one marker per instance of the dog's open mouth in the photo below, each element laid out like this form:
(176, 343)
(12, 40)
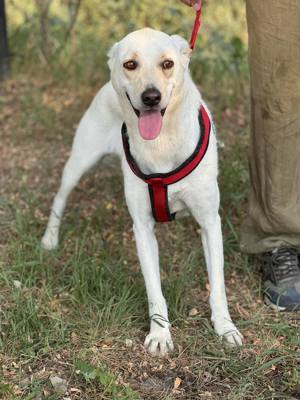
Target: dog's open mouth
(149, 121)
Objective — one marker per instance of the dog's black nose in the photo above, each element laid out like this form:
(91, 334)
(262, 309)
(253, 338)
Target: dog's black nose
(151, 97)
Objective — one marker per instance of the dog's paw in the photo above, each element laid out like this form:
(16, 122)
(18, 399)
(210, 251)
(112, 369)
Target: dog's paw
(230, 334)
(233, 338)
(159, 343)
(49, 241)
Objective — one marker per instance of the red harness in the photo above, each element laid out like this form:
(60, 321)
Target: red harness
(158, 183)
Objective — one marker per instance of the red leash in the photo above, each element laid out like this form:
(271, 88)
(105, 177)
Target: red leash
(196, 27)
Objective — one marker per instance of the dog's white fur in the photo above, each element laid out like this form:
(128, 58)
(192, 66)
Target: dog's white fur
(99, 133)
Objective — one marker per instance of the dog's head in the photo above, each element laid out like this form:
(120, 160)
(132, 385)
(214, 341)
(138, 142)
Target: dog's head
(146, 68)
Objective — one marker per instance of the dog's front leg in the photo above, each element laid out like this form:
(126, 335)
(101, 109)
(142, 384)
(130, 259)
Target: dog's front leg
(159, 340)
(211, 235)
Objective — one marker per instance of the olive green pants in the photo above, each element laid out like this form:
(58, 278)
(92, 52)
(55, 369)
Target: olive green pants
(274, 57)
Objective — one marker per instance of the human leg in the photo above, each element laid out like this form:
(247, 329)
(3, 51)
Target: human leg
(273, 222)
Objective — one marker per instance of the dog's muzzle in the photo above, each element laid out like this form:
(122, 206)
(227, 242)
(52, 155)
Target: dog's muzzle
(137, 112)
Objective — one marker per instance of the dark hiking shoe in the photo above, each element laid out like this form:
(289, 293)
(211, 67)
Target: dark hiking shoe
(282, 279)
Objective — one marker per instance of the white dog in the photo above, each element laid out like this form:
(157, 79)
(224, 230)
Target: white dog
(153, 100)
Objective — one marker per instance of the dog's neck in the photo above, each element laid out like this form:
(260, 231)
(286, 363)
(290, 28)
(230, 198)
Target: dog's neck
(178, 137)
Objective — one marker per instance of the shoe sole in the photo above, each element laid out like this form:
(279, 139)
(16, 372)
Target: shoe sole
(275, 307)
(272, 305)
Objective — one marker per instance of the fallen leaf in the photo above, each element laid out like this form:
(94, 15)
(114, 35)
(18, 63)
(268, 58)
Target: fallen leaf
(177, 383)
(128, 343)
(74, 390)
(17, 284)
(207, 286)
(74, 338)
(193, 312)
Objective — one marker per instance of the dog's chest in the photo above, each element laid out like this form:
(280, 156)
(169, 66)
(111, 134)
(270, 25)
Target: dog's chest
(165, 187)
(176, 201)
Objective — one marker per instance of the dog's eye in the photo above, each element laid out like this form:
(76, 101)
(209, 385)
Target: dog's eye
(130, 65)
(167, 64)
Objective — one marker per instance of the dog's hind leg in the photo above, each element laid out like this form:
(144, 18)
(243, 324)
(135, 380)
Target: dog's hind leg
(94, 138)
(73, 171)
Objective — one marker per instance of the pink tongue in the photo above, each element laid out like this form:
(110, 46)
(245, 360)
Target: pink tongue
(150, 123)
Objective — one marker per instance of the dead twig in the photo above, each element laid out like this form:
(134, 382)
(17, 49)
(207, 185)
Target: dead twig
(74, 6)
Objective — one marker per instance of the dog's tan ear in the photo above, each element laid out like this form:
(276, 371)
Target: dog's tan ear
(112, 55)
(183, 47)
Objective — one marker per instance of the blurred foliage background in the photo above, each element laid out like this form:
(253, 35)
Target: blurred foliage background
(69, 39)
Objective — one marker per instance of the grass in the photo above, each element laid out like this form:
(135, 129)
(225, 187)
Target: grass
(80, 312)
